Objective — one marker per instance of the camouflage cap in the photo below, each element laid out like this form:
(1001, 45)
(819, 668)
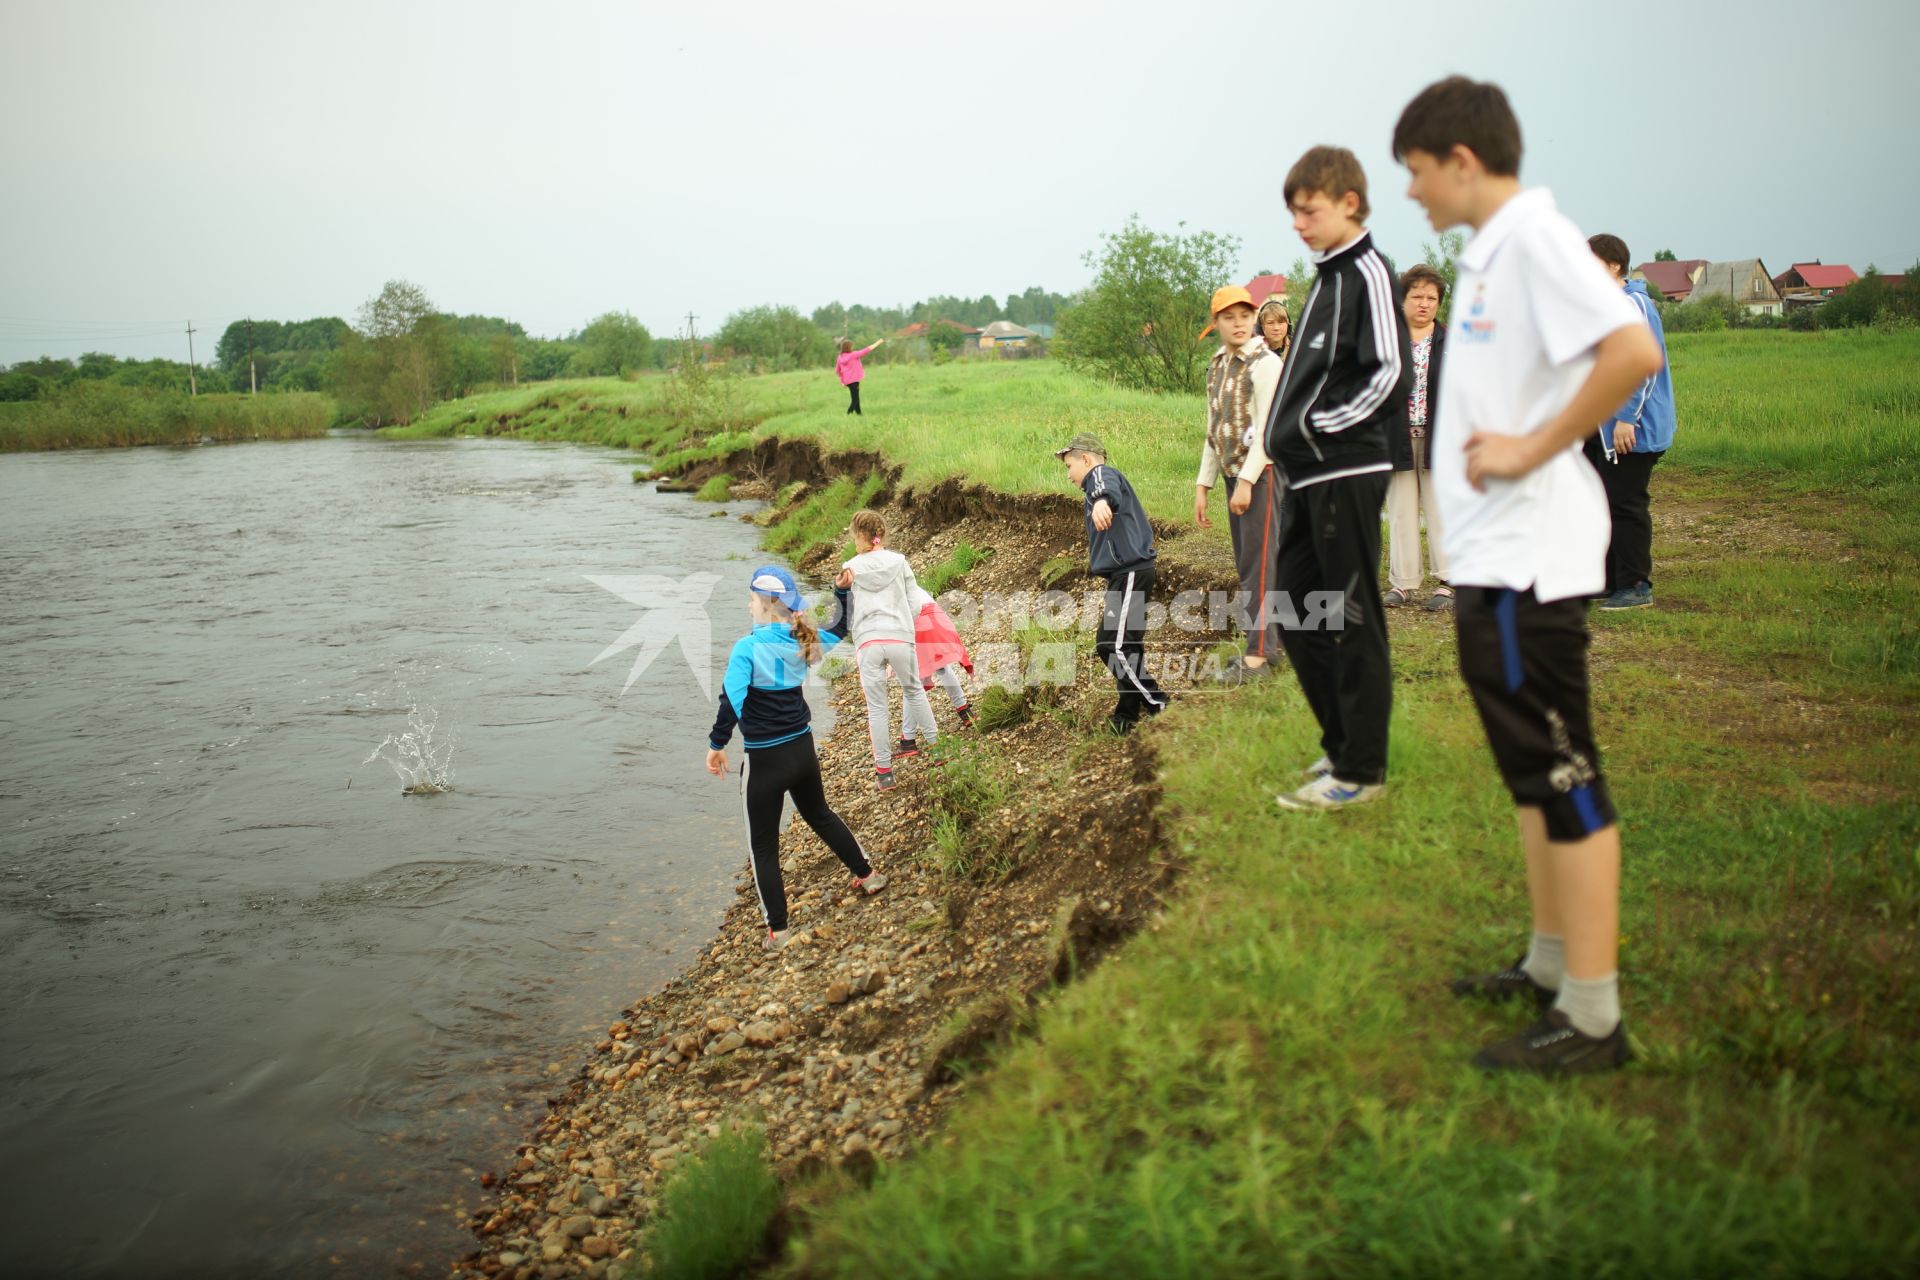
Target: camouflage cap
(1085, 442)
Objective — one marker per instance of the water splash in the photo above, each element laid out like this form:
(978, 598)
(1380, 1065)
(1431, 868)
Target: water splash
(425, 767)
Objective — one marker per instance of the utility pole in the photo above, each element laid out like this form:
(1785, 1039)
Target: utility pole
(253, 381)
(193, 384)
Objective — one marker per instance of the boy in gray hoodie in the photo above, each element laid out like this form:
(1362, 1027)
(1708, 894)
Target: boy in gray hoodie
(882, 633)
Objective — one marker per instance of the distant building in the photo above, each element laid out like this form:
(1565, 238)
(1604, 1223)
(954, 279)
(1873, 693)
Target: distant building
(1745, 280)
(1808, 284)
(919, 329)
(1264, 287)
(1674, 280)
(1005, 333)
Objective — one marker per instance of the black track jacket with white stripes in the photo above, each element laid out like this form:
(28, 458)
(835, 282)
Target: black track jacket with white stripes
(1348, 374)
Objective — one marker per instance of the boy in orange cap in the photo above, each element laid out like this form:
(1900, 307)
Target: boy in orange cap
(1241, 378)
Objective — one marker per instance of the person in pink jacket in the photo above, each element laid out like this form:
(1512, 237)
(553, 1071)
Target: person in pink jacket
(851, 370)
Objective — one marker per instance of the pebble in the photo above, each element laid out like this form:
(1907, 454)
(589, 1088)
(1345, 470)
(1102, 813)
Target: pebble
(727, 1043)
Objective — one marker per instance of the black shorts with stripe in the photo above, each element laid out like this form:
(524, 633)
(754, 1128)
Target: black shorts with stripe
(1525, 663)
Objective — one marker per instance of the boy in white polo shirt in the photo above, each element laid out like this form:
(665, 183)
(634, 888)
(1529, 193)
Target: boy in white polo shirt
(1543, 346)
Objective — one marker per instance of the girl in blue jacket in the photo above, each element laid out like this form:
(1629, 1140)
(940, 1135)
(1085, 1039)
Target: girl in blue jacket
(762, 695)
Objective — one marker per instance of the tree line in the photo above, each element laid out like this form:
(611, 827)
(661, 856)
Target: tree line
(401, 354)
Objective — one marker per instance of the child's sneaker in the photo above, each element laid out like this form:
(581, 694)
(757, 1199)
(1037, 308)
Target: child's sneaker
(778, 938)
(883, 778)
(1318, 769)
(907, 747)
(1504, 984)
(965, 713)
(1553, 1046)
(871, 883)
(1328, 792)
(1638, 596)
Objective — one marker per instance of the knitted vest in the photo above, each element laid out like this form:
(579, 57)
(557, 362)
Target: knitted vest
(1230, 404)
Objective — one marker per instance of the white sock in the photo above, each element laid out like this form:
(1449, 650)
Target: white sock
(1546, 961)
(1592, 1005)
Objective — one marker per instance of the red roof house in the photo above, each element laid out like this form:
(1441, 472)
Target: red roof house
(919, 328)
(1674, 280)
(1264, 287)
(1803, 276)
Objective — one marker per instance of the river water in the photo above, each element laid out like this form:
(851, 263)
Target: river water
(264, 1013)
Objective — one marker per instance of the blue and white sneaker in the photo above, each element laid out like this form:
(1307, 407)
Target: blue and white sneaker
(1328, 792)
(1318, 769)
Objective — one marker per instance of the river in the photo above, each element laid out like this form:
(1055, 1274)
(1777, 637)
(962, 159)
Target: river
(264, 1013)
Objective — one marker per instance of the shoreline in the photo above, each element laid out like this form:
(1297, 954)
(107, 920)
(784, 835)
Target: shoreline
(850, 1045)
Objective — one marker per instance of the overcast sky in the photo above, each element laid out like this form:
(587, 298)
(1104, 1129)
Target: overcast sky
(207, 161)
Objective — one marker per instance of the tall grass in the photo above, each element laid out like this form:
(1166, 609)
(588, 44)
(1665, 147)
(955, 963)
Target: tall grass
(714, 1211)
(99, 415)
(1837, 410)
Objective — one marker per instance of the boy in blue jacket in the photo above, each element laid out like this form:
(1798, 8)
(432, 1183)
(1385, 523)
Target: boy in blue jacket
(1627, 448)
(1119, 549)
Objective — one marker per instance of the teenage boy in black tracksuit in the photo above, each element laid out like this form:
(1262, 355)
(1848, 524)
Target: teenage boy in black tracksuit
(1119, 549)
(1347, 379)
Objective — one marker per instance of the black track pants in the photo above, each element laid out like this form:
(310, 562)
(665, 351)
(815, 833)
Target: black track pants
(769, 776)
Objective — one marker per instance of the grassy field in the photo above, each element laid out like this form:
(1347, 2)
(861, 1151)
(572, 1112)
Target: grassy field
(1272, 1081)
(106, 416)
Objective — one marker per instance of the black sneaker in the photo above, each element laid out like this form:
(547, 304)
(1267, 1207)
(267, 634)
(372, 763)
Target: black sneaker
(907, 747)
(965, 713)
(1554, 1047)
(1504, 985)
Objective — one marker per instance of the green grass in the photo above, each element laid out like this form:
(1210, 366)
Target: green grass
(715, 489)
(1829, 412)
(956, 566)
(714, 1211)
(99, 415)
(822, 518)
(1275, 1083)
(1272, 1080)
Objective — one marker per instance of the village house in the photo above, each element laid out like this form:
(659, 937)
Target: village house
(1808, 284)
(1005, 333)
(920, 329)
(1673, 279)
(1263, 287)
(1745, 280)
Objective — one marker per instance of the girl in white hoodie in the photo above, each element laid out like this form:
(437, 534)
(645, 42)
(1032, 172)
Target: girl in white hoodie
(883, 636)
